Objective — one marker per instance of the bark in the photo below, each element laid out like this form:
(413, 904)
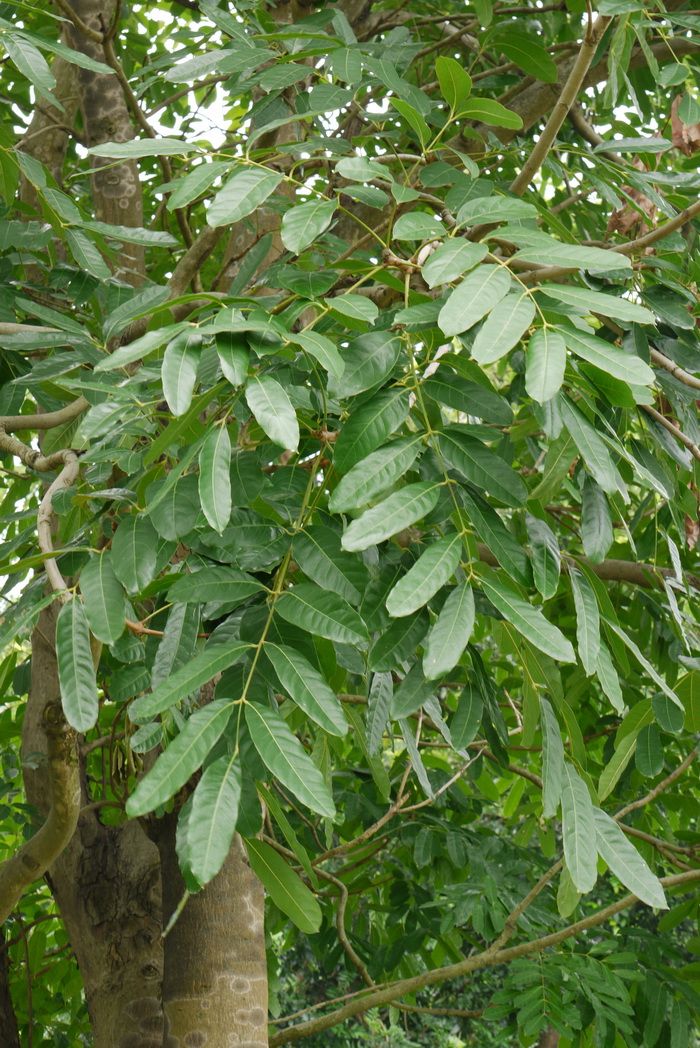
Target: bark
(215, 977)
(106, 884)
(116, 189)
(549, 1038)
(9, 1035)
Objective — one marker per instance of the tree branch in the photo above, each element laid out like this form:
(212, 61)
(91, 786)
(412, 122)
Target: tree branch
(37, 854)
(672, 429)
(567, 98)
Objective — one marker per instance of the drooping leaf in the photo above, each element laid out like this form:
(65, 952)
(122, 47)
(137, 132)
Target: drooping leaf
(286, 759)
(450, 632)
(378, 707)
(368, 427)
(134, 552)
(215, 477)
(503, 328)
(396, 512)
(103, 599)
(273, 410)
(179, 371)
(544, 555)
(466, 719)
(213, 817)
(528, 620)
(578, 830)
(374, 474)
(323, 350)
(455, 82)
(545, 364)
(187, 679)
(308, 688)
(625, 861)
(481, 466)
(476, 296)
(217, 583)
(317, 552)
(552, 760)
(587, 621)
(76, 670)
(322, 613)
(181, 758)
(284, 886)
(432, 570)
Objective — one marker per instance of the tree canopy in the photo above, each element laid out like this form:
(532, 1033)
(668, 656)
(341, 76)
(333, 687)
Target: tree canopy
(349, 369)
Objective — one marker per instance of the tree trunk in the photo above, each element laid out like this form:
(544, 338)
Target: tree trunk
(215, 970)
(549, 1038)
(9, 1035)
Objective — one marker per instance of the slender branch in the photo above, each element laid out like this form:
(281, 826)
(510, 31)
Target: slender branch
(350, 952)
(37, 854)
(673, 369)
(664, 784)
(83, 27)
(672, 429)
(66, 477)
(580, 124)
(50, 420)
(566, 100)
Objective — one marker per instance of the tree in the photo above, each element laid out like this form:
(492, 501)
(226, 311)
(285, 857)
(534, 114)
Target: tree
(350, 491)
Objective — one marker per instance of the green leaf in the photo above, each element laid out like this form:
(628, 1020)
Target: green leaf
(181, 759)
(214, 584)
(612, 361)
(317, 552)
(398, 643)
(552, 760)
(470, 397)
(374, 474)
(103, 598)
(578, 830)
(418, 226)
(322, 614)
(134, 551)
(285, 757)
(368, 360)
(355, 306)
(32, 64)
(451, 259)
(656, 677)
(481, 466)
(323, 350)
(215, 477)
(86, 254)
(616, 765)
(503, 328)
(176, 513)
(523, 49)
(284, 886)
(76, 671)
(688, 691)
(395, 513)
(303, 223)
(411, 693)
(509, 553)
(140, 147)
(450, 633)
(486, 111)
(179, 370)
(378, 707)
(307, 687)
(178, 643)
(455, 82)
(573, 256)
(234, 356)
(528, 620)
(587, 621)
(187, 679)
(649, 754)
(273, 410)
(587, 301)
(625, 861)
(430, 572)
(413, 117)
(198, 180)
(634, 145)
(545, 364)
(213, 816)
(132, 234)
(494, 209)
(596, 522)
(592, 447)
(247, 189)
(368, 426)
(476, 296)
(466, 719)
(544, 555)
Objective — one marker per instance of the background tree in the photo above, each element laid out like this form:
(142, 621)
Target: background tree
(350, 453)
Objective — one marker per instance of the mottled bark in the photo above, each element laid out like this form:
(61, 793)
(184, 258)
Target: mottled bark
(116, 189)
(9, 1035)
(107, 886)
(215, 972)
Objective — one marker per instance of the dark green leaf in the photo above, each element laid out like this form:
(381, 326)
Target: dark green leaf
(76, 671)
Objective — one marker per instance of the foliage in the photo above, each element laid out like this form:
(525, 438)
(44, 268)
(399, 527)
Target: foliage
(395, 441)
